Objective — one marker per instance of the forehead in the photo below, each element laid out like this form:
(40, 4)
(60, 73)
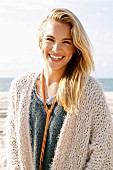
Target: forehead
(57, 28)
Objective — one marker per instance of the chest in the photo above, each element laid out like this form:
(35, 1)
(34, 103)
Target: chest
(37, 121)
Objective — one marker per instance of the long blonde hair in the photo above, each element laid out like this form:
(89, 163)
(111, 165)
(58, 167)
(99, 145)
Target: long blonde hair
(81, 63)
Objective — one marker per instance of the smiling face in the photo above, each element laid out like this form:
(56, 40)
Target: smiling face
(57, 45)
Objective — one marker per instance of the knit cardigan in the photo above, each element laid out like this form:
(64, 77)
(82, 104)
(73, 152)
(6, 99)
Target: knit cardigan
(85, 141)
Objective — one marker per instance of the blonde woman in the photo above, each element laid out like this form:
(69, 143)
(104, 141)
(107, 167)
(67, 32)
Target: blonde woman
(58, 118)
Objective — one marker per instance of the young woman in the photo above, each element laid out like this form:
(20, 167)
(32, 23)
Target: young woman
(58, 118)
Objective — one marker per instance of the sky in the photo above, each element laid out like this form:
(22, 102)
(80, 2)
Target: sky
(19, 20)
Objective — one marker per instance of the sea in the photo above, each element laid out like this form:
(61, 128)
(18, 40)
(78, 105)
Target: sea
(106, 84)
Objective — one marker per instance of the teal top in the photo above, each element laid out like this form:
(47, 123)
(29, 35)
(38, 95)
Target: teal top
(37, 121)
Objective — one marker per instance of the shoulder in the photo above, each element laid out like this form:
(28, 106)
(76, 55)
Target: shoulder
(94, 101)
(24, 78)
(93, 86)
(24, 81)
(93, 92)
(95, 96)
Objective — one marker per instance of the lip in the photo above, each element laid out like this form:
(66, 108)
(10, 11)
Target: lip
(56, 57)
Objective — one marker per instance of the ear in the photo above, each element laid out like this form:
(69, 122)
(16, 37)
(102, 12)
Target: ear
(40, 44)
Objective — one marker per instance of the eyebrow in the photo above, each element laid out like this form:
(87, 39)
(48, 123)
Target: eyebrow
(70, 39)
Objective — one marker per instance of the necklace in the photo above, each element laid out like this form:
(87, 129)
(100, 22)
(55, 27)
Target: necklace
(48, 114)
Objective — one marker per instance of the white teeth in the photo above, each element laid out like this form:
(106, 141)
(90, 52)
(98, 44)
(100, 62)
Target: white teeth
(56, 58)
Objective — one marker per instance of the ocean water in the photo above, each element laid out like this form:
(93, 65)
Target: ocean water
(5, 84)
(106, 83)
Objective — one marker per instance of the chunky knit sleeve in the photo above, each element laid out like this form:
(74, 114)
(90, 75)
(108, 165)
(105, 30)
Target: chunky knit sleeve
(11, 141)
(101, 140)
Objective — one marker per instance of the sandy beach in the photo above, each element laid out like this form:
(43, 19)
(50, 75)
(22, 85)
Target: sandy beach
(3, 114)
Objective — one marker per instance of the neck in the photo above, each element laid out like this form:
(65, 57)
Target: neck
(52, 76)
(52, 79)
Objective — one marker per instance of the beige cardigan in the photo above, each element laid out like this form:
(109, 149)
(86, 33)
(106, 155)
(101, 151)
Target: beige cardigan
(85, 141)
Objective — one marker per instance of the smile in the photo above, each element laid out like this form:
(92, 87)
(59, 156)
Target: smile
(56, 57)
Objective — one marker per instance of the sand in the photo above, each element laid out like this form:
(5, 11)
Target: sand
(3, 114)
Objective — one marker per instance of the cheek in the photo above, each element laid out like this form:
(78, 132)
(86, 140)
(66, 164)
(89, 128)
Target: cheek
(45, 46)
(45, 49)
(70, 52)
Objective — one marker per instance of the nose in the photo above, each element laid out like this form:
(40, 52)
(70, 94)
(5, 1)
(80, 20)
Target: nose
(56, 47)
